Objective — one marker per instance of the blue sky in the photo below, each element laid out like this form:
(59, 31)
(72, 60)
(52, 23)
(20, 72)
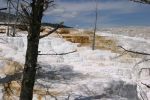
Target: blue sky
(111, 13)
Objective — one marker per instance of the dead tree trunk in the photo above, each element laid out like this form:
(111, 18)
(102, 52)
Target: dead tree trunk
(32, 50)
(8, 27)
(95, 25)
(17, 11)
(34, 17)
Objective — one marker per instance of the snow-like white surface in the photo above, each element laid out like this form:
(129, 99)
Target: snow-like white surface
(131, 43)
(81, 70)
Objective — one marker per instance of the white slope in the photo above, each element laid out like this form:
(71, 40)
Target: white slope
(85, 72)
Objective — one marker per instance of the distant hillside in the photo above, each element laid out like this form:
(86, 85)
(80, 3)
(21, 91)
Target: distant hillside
(4, 17)
(55, 25)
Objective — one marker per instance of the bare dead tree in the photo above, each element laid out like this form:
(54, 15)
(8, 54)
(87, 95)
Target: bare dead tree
(9, 7)
(95, 24)
(17, 17)
(12, 4)
(33, 13)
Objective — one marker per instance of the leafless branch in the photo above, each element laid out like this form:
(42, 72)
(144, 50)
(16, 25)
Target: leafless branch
(3, 9)
(50, 32)
(144, 60)
(26, 2)
(123, 53)
(142, 93)
(135, 52)
(25, 11)
(148, 86)
(142, 1)
(47, 92)
(60, 53)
